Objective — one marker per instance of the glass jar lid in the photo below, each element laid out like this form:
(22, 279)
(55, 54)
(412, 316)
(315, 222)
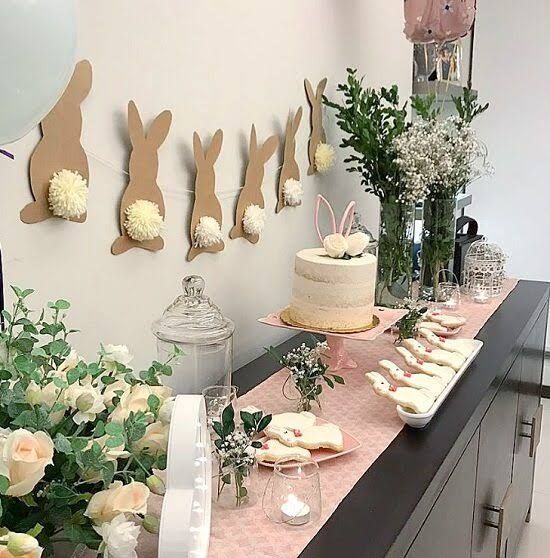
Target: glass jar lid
(193, 318)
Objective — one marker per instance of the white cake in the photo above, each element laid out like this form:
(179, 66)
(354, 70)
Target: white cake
(333, 294)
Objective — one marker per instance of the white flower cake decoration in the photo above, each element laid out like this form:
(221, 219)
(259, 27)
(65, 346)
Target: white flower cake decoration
(341, 244)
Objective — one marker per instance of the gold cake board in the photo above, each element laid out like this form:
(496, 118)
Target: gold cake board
(285, 317)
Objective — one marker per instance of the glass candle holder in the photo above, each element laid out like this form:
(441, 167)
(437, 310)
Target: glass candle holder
(217, 398)
(293, 494)
(447, 294)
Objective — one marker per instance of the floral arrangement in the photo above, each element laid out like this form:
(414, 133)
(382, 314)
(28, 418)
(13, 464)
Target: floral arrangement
(207, 232)
(308, 372)
(235, 449)
(68, 194)
(143, 220)
(254, 219)
(80, 440)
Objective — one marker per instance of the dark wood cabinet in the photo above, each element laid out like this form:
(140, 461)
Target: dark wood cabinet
(451, 514)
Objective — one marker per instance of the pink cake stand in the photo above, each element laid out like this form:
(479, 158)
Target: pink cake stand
(339, 358)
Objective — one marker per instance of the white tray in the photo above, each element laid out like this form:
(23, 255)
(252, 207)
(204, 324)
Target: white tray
(420, 420)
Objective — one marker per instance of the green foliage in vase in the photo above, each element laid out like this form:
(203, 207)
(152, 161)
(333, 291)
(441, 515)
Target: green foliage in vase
(235, 447)
(407, 326)
(86, 425)
(371, 119)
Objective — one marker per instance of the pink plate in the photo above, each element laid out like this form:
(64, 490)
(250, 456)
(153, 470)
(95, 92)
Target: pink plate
(320, 455)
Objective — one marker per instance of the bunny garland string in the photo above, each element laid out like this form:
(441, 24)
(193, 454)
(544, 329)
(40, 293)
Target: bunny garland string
(142, 208)
(59, 153)
(290, 189)
(206, 219)
(251, 201)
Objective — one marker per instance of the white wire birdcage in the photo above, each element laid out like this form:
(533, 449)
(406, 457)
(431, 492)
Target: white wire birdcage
(483, 273)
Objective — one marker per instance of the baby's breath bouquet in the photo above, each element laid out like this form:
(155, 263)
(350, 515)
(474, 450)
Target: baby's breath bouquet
(307, 372)
(79, 440)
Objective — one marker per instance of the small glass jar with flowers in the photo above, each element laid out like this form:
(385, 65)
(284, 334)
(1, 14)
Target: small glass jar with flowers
(308, 372)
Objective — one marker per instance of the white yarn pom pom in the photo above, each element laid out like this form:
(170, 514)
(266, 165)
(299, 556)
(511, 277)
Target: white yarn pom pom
(324, 157)
(68, 194)
(143, 220)
(293, 192)
(254, 219)
(207, 232)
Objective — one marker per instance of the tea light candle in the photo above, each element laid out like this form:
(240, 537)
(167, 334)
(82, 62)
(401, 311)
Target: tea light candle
(294, 511)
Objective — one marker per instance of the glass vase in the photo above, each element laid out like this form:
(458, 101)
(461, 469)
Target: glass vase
(438, 244)
(395, 252)
(232, 486)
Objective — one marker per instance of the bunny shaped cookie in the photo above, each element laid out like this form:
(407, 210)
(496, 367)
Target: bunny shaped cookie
(445, 373)
(431, 383)
(290, 169)
(142, 186)
(249, 216)
(438, 356)
(60, 146)
(318, 134)
(417, 400)
(462, 346)
(206, 203)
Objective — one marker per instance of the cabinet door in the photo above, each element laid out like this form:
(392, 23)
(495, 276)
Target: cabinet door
(528, 428)
(447, 530)
(494, 473)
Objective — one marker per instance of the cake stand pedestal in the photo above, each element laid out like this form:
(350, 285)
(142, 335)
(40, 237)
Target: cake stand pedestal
(339, 359)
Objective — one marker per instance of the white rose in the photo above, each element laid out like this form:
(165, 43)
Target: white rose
(135, 400)
(118, 498)
(155, 440)
(166, 409)
(116, 353)
(87, 400)
(19, 545)
(335, 245)
(357, 242)
(47, 395)
(23, 459)
(110, 391)
(120, 538)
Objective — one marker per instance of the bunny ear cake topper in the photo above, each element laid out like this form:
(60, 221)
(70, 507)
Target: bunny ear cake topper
(206, 219)
(340, 243)
(142, 209)
(290, 189)
(250, 213)
(321, 154)
(59, 171)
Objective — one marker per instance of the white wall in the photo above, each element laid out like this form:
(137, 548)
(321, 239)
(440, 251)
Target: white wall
(511, 72)
(214, 64)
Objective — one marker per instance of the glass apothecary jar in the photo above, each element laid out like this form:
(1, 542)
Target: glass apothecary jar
(195, 325)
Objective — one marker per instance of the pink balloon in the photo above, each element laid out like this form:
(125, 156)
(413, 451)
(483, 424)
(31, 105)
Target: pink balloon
(438, 21)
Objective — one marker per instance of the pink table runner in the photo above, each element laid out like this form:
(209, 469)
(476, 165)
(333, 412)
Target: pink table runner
(355, 408)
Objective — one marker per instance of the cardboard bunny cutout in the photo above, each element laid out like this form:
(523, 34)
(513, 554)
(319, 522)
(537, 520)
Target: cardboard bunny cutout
(60, 146)
(318, 134)
(251, 193)
(143, 175)
(206, 203)
(290, 168)
(438, 21)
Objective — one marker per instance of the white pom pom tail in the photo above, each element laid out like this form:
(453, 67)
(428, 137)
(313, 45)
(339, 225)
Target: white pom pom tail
(143, 220)
(207, 232)
(68, 194)
(254, 219)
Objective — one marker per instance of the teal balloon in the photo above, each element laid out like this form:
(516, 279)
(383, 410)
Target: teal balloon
(37, 49)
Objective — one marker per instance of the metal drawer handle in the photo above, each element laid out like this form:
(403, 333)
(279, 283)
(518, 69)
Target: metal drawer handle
(534, 435)
(504, 524)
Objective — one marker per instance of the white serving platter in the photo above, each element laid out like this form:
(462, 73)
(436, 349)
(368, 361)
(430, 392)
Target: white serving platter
(420, 420)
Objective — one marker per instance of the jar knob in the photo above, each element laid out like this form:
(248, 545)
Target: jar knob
(193, 285)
